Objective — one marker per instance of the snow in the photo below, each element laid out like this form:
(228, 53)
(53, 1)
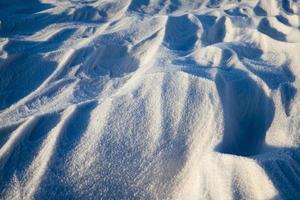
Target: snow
(148, 99)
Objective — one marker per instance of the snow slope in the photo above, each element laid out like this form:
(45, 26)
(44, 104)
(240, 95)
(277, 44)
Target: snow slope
(149, 99)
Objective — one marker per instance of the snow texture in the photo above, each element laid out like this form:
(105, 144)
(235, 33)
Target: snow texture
(150, 99)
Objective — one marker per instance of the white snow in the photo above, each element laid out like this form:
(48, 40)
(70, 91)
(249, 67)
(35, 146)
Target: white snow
(149, 99)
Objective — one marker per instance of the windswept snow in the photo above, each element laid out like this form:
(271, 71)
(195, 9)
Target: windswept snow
(149, 99)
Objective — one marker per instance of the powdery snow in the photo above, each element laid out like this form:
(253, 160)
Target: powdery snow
(149, 99)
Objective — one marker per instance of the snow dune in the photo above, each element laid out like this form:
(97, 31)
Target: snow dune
(149, 99)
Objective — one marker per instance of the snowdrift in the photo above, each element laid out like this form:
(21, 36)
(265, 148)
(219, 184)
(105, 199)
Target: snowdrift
(148, 99)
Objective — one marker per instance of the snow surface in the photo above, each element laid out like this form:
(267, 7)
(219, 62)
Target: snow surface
(149, 99)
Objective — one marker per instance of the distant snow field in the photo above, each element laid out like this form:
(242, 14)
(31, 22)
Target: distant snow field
(150, 99)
